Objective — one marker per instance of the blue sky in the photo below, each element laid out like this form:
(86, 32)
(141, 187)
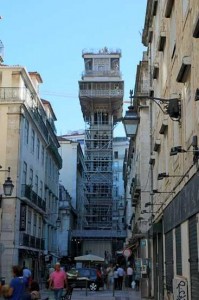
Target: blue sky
(48, 36)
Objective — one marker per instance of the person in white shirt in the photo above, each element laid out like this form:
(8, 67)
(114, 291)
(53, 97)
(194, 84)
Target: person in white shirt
(129, 273)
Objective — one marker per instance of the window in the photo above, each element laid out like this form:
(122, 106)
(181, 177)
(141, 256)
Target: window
(101, 117)
(33, 141)
(36, 184)
(24, 175)
(38, 148)
(41, 189)
(172, 34)
(35, 225)
(42, 155)
(29, 221)
(88, 64)
(40, 227)
(116, 154)
(26, 134)
(31, 177)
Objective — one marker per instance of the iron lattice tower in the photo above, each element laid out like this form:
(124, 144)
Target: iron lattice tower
(101, 90)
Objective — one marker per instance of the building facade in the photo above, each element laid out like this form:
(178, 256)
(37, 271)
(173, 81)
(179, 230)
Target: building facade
(171, 37)
(72, 179)
(29, 148)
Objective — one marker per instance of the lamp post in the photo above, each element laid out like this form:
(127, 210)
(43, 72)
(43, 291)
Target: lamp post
(8, 186)
(58, 222)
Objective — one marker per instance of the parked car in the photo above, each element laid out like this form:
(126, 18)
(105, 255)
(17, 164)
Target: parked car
(82, 277)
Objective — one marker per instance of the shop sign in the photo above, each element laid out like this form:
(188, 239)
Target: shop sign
(22, 223)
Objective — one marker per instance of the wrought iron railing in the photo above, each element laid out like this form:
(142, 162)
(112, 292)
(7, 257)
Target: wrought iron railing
(101, 93)
(27, 192)
(98, 233)
(96, 73)
(104, 50)
(28, 240)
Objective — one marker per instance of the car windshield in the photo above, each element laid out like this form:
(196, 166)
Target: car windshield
(83, 273)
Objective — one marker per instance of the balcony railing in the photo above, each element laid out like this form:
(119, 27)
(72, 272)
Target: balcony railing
(96, 73)
(14, 94)
(116, 93)
(110, 233)
(28, 240)
(55, 153)
(135, 189)
(101, 51)
(27, 192)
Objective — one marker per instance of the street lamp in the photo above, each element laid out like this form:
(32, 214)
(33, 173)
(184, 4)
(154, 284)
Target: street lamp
(131, 119)
(170, 107)
(58, 222)
(8, 186)
(121, 209)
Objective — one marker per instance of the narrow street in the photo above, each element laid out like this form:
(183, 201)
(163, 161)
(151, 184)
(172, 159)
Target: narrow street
(126, 294)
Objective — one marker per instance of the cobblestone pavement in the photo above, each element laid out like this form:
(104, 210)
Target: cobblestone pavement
(126, 294)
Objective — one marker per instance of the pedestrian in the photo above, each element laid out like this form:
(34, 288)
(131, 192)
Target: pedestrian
(115, 277)
(34, 290)
(58, 280)
(121, 274)
(129, 273)
(17, 289)
(99, 274)
(137, 281)
(109, 272)
(27, 275)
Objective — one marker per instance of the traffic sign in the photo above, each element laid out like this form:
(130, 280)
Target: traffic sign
(127, 252)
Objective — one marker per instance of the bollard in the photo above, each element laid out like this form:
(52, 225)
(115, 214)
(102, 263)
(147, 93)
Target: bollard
(86, 287)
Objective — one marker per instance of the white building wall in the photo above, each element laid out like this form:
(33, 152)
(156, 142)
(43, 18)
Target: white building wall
(68, 173)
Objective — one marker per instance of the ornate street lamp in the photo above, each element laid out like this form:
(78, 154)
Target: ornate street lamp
(8, 186)
(131, 119)
(58, 222)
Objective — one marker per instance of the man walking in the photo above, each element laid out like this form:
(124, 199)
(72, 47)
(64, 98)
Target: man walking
(58, 280)
(121, 274)
(129, 273)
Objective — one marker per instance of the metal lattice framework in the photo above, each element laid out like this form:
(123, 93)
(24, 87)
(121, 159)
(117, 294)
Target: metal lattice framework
(101, 99)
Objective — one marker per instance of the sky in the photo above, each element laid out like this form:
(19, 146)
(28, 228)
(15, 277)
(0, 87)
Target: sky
(48, 36)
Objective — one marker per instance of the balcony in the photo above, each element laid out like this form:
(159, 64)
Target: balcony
(53, 149)
(103, 233)
(12, 94)
(16, 94)
(26, 191)
(96, 73)
(101, 51)
(38, 120)
(135, 189)
(28, 240)
(116, 93)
